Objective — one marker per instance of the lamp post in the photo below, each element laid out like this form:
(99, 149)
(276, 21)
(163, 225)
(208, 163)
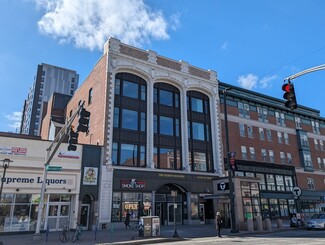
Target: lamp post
(230, 172)
(174, 195)
(5, 165)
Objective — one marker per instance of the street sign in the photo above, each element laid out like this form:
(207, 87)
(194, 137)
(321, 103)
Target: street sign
(53, 168)
(296, 191)
(222, 185)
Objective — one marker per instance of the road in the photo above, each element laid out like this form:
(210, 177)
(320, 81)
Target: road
(313, 237)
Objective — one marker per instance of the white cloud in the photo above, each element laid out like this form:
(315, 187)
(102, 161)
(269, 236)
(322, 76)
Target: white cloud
(88, 24)
(15, 119)
(224, 46)
(265, 81)
(248, 82)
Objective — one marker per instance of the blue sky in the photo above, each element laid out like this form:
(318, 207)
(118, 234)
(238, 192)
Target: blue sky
(252, 44)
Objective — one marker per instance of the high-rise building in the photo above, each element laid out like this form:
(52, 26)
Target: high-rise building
(48, 79)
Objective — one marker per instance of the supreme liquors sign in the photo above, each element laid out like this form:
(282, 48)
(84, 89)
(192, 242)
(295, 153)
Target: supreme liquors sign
(132, 184)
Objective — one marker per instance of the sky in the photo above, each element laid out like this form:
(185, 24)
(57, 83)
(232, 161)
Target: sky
(252, 44)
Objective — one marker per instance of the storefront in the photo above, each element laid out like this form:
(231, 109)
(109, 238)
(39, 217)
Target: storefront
(22, 184)
(157, 193)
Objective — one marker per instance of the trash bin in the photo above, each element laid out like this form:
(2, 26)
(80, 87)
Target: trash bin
(151, 226)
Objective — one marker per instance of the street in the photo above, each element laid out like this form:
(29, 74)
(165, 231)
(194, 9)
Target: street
(285, 237)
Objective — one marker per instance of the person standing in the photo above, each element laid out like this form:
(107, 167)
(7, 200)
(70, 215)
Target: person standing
(127, 220)
(219, 223)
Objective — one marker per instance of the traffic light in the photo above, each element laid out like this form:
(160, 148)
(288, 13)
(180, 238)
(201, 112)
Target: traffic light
(289, 95)
(73, 140)
(232, 161)
(83, 122)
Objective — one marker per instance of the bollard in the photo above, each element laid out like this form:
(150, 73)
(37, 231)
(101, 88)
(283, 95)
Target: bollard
(250, 225)
(259, 223)
(279, 224)
(268, 224)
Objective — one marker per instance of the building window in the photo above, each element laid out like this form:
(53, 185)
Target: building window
(252, 152)
(280, 119)
(270, 182)
(198, 131)
(130, 89)
(199, 161)
(250, 131)
(117, 86)
(323, 163)
(315, 126)
(310, 184)
(279, 183)
(298, 122)
(289, 157)
(286, 138)
(282, 157)
(307, 160)
(271, 155)
(90, 96)
(269, 134)
(261, 133)
(129, 119)
(197, 104)
(243, 110)
(244, 152)
(242, 130)
(166, 125)
(263, 152)
(288, 183)
(261, 178)
(262, 114)
(304, 140)
(279, 137)
(316, 144)
(319, 161)
(128, 155)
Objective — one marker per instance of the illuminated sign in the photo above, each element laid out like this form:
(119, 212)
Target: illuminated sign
(132, 184)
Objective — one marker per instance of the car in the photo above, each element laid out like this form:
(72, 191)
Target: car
(317, 221)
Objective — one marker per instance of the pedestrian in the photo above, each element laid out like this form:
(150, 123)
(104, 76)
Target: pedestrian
(219, 223)
(127, 220)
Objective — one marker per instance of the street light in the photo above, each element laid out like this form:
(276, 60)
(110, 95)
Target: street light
(5, 165)
(230, 172)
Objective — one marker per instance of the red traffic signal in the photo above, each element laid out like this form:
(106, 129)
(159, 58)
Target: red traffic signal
(289, 95)
(83, 121)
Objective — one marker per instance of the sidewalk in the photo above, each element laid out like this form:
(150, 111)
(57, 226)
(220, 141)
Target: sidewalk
(123, 236)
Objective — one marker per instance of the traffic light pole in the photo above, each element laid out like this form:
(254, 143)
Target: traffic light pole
(230, 172)
(316, 68)
(58, 140)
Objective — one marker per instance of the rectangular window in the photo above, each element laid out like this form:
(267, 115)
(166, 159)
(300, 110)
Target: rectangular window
(129, 119)
(319, 161)
(200, 161)
(243, 152)
(143, 92)
(321, 144)
(279, 183)
(286, 138)
(315, 126)
(288, 183)
(177, 127)
(304, 140)
(298, 122)
(263, 152)
(198, 131)
(252, 152)
(262, 114)
(261, 133)
(307, 160)
(269, 134)
(197, 104)
(289, 157)
(166, 158)
(261, 181)
(166, 125)
(280, 119)
(130, 89)
(279, 137)
(142, 156)
(242, 130)
(243, 110)
(116, 117)
(310, 184)
(176, 100)
(282, 157)
(117, 86)
(271, 154)
(129, 155)
(165, 97)
(270, 182)
(114, 153)
(143, 122)
(250, 131)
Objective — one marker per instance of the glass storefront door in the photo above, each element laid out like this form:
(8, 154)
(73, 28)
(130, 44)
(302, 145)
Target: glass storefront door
(178, 213)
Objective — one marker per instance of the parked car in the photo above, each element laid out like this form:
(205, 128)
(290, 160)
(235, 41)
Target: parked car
(317, 221)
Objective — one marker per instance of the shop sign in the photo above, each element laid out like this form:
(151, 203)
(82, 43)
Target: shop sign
(132, 184)
(90, 176)
(14, 150)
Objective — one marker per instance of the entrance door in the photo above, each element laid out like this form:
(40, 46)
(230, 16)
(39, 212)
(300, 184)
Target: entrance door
(202, 213)
(58, 215)
(84, 216)
(158, 212)
(178, 213)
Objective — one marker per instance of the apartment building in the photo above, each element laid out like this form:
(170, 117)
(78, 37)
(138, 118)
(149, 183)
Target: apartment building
(48, 80)
(281, 148)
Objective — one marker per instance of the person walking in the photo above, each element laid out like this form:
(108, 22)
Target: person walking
(219, 223)
(127, 220)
